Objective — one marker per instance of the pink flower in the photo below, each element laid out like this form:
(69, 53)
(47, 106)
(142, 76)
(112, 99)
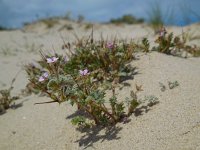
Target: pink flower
(84, 72)
(43, 77)
(65, 59)
(52, 59)
(162, 32)
(110, 45)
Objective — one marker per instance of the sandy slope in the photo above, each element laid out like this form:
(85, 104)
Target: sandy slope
(174, 123)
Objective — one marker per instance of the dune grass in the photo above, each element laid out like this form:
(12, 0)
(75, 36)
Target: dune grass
(157, 17)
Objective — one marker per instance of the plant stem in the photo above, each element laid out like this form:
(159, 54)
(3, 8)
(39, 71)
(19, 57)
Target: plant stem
(105, 111)
(85, 109)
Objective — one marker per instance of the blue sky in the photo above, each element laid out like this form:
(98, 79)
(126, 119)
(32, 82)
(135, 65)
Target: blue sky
(13, 13)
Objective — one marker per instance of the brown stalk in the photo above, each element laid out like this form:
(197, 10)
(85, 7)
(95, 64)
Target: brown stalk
(85, 109)
(105, 111)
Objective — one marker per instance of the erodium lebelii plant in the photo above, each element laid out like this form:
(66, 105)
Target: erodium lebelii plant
(174, 45)
(6, 100)
(79, 80)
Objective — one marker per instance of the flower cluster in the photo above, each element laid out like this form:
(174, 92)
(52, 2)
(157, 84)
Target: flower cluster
(43, 77)
(83, 77)
(110, 45)
(84, 72)
(162, 32)
(52, 59)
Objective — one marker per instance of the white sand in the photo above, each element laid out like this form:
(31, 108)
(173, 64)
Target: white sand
(173, 124)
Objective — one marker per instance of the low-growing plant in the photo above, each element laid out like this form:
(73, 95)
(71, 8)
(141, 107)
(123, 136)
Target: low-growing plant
(162, 87)
(83, 76)
(151, 99)
(165, 42)
(171, 45)
(66, 26)
(6, 99)
(108, 60)
(80, 19)
(80, 88)
(173, 84)
(128, 19)
(49, 22)
(80, 121)
(88, 26)
(144, 46)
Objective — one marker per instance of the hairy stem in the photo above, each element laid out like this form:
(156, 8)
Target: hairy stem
(105, 111)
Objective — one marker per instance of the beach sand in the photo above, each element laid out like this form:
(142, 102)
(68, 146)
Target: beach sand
(172, 124)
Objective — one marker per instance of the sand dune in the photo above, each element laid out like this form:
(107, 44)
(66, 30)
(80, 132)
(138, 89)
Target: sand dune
(172, 124)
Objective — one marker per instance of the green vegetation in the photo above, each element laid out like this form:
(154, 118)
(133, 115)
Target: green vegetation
(157, 18)
(78, 79)
(80, 19)
(128, 19)
(174, 45)
(50, 22)
(83, 76)
(3, 28)
(90, 69)
(88, 26)
(171, 85)
(6, 100)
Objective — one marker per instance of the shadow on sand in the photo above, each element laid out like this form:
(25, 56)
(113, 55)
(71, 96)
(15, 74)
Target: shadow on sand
(12, 106)
(93, 135)
(144, 109)
(102, 133)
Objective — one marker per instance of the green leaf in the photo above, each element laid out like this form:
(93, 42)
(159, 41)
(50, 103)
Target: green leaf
(98, 96)
(133, 104)
(122, 74)
(53, 85)
(119, 109)
(79, 120)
